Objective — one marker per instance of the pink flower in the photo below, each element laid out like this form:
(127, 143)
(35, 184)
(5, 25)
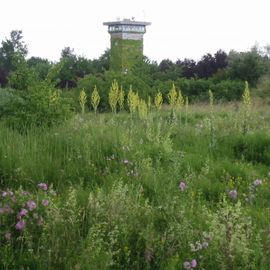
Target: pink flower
(43, 186)
(182, 186)
(20, 225)
(193, 263)
(233, 194)
(23, 213)
(31, 205)
(257, 182)
(45, 202)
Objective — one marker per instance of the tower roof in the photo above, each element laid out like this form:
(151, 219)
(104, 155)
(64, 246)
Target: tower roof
(127, 22)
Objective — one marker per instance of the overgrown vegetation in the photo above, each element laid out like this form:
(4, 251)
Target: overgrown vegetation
(121, 191)
(158, 183)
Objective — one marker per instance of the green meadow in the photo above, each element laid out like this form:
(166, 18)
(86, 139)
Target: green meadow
(184, 188)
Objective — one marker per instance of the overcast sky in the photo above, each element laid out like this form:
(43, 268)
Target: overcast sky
(180, 28)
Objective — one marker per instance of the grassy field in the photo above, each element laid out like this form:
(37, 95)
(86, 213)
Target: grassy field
(183, 190)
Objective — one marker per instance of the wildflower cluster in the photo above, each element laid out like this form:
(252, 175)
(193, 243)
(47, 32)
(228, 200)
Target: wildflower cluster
(200, 245)
(21, 210)
(253, 188)
(190, 265)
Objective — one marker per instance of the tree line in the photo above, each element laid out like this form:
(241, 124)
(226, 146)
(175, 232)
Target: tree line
(222, 72)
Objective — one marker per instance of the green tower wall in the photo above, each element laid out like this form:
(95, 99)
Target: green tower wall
(125, 53)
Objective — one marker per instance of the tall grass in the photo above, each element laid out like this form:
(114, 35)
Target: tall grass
(118, 204)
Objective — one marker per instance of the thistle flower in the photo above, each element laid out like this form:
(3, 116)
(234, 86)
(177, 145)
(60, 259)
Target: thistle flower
(43, 186)
(45, 202)
(257, 182)
(233, 194)
(182, 185)
(23, 213)
(193, 263)
(31, 205)
(20, 225)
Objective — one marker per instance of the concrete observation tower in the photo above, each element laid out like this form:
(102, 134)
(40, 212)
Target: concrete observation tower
(126, 43)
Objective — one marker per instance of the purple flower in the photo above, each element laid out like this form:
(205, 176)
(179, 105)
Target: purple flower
(8, 236)
(45, 202)
(257, 182)
(20, 225)
(25, 193)
(233, 194)
(31, 205)
(187, 265)
(182, 186)
(193, 263)
(2, 210)
(23, 213)
(43, 186)
(4, 194)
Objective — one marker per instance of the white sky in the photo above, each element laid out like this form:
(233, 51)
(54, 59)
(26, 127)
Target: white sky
(180, 28)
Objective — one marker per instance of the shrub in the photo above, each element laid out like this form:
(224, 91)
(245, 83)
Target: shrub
(42, 106)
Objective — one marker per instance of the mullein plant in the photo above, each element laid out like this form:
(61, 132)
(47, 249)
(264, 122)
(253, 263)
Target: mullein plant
(95, 99)
(172, 97)
(114, 96)
(132, 100)
(246, 108)
(158, 100)
(82, 100)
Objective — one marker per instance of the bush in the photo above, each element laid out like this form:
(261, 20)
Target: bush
(41, 105)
